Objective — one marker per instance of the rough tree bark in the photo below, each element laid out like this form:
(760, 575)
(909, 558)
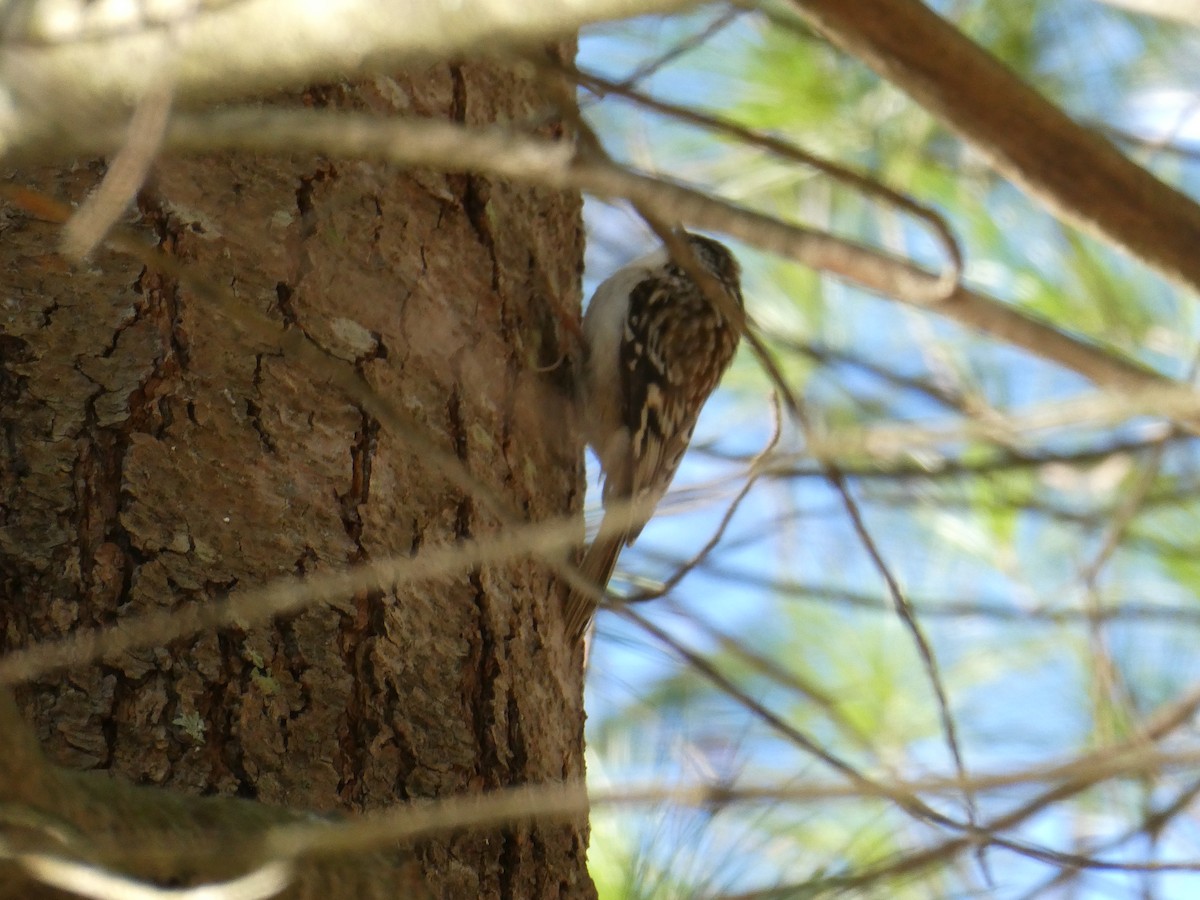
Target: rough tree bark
(152, 459)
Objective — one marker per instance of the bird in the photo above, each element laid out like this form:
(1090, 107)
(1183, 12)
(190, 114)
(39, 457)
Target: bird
(656, 345)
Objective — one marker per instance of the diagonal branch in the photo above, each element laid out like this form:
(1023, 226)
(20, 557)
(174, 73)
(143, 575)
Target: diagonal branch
(1073, 171)
(505, 153)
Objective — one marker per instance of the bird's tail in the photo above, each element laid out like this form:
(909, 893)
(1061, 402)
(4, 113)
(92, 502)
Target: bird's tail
(596, 568)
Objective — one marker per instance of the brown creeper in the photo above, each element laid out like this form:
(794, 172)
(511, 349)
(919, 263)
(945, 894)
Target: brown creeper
(656, 347)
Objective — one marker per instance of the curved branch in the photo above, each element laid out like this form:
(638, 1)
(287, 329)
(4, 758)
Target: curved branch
(497, 151)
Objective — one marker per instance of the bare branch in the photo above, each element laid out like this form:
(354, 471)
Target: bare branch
(509, 154)
(1078, 175)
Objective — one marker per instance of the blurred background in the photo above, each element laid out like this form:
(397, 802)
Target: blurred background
(1047, 548)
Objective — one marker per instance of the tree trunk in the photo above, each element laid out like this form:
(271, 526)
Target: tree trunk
(153, 459)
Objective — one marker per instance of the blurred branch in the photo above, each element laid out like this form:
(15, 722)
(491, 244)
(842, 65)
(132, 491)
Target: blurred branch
(1078, 776)
(101, 837)
(1131, 611)
(498, 151)
(1107, 409)
(1151, 825)
(1165, 497)
(1155, 145)
(782, 675)
(1178, 10)
(683, 47)
(908, 617)
(70, 69)
(126, 173)
(928, 466)
(1156, 728)
(1108, 679)
(284, 595)
(904, 800)
(1073, 171)
(947, 396)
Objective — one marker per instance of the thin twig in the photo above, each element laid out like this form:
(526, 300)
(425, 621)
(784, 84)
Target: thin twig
(908, 617)
(755, 472)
